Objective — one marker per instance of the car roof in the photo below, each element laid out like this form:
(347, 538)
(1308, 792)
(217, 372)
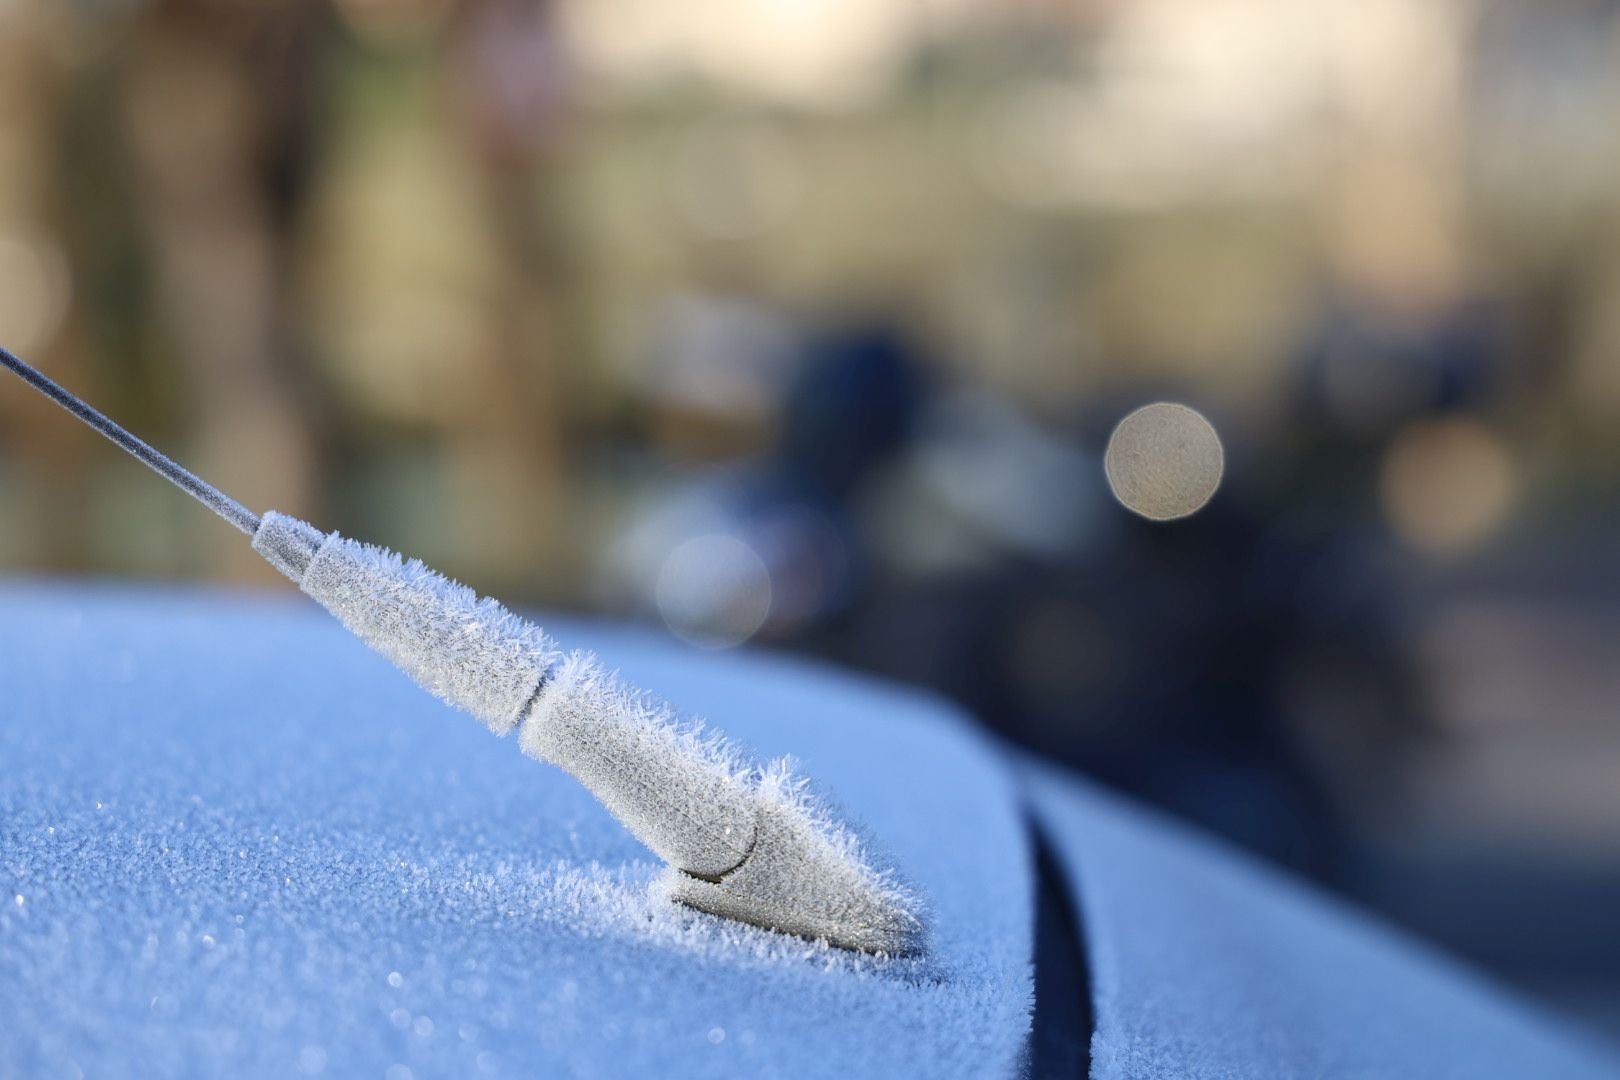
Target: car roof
(237, 843)
(233, 841)
(1206, 963)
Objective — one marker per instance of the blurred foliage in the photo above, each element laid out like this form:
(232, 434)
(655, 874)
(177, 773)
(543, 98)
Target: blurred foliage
(404, 263)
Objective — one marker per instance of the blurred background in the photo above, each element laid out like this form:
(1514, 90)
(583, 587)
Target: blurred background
(807, 325)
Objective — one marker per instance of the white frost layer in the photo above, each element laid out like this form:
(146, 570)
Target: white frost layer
(468, 650)
(680, 789)
(631, 902)
(810, 875)
(745, 843)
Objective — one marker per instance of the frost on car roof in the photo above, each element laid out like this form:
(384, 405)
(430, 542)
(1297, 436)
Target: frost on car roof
(1205, 963)
(235, 842)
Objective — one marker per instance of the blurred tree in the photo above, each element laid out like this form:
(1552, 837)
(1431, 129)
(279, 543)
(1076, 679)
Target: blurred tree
(218, 107)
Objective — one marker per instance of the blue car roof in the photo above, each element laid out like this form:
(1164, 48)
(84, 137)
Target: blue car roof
(1206, 963)
(234, 842)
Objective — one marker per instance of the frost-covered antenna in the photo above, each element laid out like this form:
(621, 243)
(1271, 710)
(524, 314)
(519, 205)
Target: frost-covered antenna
(165, 466)
(741, 842)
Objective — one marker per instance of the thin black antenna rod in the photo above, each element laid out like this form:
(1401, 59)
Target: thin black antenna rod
(181, 477)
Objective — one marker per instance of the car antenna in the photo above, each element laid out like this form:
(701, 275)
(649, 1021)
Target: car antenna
(741, 842)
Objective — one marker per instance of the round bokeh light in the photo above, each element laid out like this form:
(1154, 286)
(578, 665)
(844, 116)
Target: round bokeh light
(1164, 461)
